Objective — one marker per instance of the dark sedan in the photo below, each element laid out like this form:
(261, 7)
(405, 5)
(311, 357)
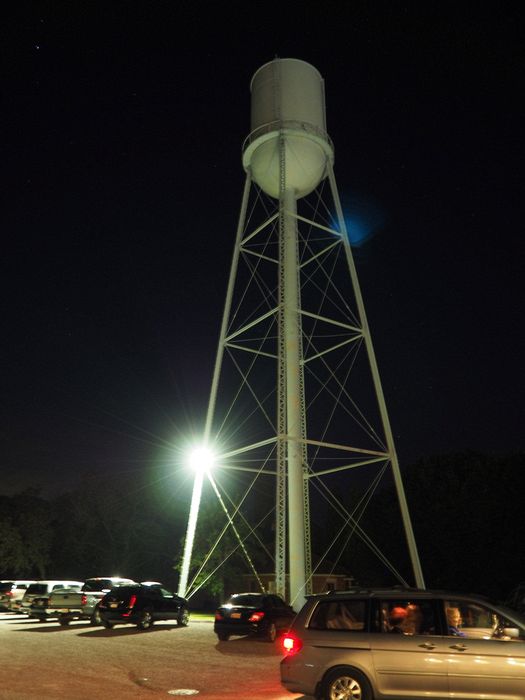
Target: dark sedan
(141, 605)
(260, 614)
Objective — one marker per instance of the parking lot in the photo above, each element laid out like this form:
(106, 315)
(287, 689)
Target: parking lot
(44, 660)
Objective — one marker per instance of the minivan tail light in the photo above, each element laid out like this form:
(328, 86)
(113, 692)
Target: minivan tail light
(291, 644)
(83, 599)
(256, 616)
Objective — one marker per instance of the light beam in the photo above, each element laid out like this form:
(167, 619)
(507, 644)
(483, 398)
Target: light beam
(201, 460)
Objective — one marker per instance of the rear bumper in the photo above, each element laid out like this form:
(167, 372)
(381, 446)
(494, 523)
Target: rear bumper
(240, 628)
(297, 677)
(42, 613)
(116, 619)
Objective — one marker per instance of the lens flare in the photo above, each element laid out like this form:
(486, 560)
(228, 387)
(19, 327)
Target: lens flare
(363, 218)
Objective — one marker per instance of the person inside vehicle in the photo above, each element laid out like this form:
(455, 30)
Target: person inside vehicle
(413, 620)
(340, 618)
(396, 618)
(454, 622)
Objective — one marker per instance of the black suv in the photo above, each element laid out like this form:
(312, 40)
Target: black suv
(141, 604)
(253, 613)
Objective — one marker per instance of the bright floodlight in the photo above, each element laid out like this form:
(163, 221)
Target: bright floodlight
(202, 459)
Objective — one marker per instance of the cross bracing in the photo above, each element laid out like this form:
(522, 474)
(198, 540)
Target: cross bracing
(346, 426)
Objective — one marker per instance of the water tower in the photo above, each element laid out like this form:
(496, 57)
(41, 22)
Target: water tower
(284, 403)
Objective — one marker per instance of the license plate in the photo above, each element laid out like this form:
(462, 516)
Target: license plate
(113, 605)
(236, 616)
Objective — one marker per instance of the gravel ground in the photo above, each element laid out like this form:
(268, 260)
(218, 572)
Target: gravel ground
(42, 661)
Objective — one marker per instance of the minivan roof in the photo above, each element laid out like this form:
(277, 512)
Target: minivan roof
(53, 581)
(396, 592)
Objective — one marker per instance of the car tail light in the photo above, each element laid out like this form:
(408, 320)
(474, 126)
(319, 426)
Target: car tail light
(256, 616)
(132, 601)
(218, 615)
(83, 599)
(291, 644)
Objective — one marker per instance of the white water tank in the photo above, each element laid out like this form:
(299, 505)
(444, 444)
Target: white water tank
(288, 104)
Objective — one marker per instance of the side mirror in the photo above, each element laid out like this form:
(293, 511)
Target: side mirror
(512, 632)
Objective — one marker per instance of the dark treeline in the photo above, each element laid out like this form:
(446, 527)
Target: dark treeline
(466, 510)
(467, 513)
(94, 530)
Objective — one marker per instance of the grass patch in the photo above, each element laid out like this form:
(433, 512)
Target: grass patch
(202, 615)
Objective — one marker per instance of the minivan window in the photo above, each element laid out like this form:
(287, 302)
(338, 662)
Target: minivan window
(349, 615)
(37, 588)
(474, 620)
(406, 617)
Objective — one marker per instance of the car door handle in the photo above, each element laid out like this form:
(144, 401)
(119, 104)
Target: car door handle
(459, 647)
(428, 645)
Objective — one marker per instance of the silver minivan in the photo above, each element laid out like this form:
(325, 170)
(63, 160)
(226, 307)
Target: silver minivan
(375, 644)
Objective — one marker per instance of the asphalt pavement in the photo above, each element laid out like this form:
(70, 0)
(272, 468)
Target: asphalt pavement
(44, 661)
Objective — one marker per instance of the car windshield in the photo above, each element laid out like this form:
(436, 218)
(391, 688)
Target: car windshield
(512, 614)
(249, 599)
(99, 584)
(123, 591)
(6, 586)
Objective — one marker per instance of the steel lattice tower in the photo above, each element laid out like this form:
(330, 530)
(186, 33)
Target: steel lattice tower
(296, 393)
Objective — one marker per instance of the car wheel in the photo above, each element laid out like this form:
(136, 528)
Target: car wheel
(63, 620)
(107, 624)
(223, 636)
(146, 620)
(346, 683)
(95, 619)
(183, 618)
(271, 632)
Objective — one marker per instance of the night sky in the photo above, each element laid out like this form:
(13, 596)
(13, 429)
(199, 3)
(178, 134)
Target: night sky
(122, 183)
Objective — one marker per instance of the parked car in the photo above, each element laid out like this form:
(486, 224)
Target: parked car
(12, 592)
(142, 604)
(42, 589)
(260, 614)
(83, 604)
(402, 643)
(40, 607)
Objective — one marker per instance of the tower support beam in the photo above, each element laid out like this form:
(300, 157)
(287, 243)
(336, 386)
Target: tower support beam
(294, 413)
(405, 515)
